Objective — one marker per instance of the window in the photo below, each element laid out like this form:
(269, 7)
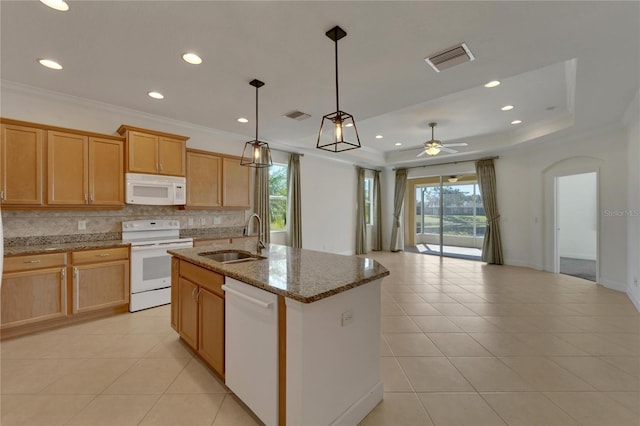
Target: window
(368, 198)
(278, 197)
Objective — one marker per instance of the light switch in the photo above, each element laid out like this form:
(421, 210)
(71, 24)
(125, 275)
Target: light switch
(82, 225)
(190, 221)
(347, 318)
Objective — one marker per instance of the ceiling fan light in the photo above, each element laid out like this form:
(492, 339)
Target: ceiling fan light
(452, 179)
(432, 149)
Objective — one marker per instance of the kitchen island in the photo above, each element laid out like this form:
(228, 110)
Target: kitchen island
(301, 332)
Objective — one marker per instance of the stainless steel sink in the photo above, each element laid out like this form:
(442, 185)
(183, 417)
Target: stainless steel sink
(231, 256)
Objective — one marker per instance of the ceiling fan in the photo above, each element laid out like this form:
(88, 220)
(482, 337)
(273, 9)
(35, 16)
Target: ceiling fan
(433, 147)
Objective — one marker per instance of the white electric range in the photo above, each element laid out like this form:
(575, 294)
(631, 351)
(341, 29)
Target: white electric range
(150, 263)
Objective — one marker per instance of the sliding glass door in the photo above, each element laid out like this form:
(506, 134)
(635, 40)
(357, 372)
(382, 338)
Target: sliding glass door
(450, 218)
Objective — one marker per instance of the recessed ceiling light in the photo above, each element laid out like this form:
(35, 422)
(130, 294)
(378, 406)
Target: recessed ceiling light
(493, 83)
(156, 95)
(60, 5)
(507, 108)
(242, 120)
(50, 64)
(398, 143)
(516, 122)
(379, 136)
(192, 58)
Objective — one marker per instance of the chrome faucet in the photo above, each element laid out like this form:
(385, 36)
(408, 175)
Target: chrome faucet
(246, 232)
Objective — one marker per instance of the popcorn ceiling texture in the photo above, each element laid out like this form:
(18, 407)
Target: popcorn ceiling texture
(31, 223)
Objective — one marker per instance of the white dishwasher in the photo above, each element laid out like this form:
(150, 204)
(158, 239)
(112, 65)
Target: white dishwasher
(251, 347)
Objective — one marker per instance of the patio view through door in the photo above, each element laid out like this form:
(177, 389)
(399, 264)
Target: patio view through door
(448, 218)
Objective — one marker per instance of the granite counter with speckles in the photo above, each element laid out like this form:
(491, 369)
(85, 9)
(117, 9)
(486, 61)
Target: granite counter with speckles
(303, 275)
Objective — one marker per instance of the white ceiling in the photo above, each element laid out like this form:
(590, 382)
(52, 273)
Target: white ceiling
(568, 67)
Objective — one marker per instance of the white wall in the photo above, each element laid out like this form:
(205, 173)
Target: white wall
(328, 187)
(525, 199)
(577, 216)
(632, 120)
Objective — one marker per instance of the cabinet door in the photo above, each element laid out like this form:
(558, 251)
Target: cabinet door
(21, 165)
(106, 172)
(142, 152)
(171, 156)
(204, 180)
(175, 292)
(67, 172)
(33, 296)
(100, 285)
(235, 181)
(211, 336)
(188, 312)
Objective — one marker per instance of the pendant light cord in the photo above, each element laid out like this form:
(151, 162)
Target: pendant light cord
(256, 114)
(337, 93)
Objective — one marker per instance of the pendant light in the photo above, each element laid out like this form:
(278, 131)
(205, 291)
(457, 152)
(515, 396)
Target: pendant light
(336, 124)
(256, 153)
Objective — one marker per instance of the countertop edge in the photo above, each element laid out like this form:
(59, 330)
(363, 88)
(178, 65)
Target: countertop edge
(271, 289)
(62, 248)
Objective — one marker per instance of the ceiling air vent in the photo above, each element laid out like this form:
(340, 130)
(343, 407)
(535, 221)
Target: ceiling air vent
(297, 115)
(450, 57)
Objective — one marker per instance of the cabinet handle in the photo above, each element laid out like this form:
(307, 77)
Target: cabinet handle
(32, 261)
(63, 278)
(193, 293)
(160, 166)
(76, 290)
(86, 199)
(102, 255)
(1, 195)
(91, 197)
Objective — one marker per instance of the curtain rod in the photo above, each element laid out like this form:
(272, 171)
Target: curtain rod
(371, 170)
(450, 162)
(286, 152)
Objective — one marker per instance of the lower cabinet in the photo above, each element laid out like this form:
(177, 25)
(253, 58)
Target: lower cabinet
(200, 312)
(34, 289)
(40, 291)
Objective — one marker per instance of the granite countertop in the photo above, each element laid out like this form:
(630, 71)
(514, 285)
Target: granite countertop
(303, 275)
(62, 247)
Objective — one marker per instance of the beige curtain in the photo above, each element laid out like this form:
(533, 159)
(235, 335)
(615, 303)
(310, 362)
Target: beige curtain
(361, 224)
(377, 213)
(294, 202)
(492, 246)
(261, 200)
(398, 200)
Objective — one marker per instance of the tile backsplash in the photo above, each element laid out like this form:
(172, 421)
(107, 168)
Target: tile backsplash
(30, 223)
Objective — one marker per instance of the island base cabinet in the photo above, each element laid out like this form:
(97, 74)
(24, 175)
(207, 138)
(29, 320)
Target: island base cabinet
(251, 348)
(333, 357)
(211, 332)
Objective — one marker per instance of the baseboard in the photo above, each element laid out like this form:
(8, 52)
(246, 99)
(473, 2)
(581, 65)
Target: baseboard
(635, 300)
(578, 256)
(613, 285)
(359, 410)
(522, 263)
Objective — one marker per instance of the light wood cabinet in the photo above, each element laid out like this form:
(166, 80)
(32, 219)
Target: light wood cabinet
(106, 172)
(200, 311)
(204, 180)
(84, 170)
(21, 157)
(100, 279)
(34, 289)
(148, 151)
(235, 184)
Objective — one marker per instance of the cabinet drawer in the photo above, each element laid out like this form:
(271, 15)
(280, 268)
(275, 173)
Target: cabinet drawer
(207, 279)
(103, 255)
(36, 261)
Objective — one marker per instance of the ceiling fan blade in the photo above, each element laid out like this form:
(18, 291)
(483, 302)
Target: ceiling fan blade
(423, 152)
(456, 144)
(449, 150)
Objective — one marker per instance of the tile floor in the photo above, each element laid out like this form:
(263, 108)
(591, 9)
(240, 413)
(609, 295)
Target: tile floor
(463, 343)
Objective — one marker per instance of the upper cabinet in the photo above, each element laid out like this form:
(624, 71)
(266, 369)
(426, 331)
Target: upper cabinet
(148, 151)
(235, 184)
(21, 168)
(216, 181)
(51, 167)
(84, 170)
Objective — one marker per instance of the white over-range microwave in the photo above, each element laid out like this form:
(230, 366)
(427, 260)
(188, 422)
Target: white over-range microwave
(155, 190)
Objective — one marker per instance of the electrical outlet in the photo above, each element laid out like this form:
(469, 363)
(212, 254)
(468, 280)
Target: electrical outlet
(203, 221)
(82, 225)
(190, 221)
(635, 281)
(347, 318)
(217, 220)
